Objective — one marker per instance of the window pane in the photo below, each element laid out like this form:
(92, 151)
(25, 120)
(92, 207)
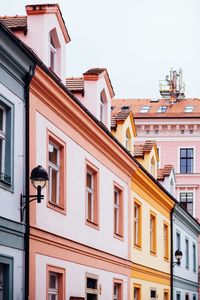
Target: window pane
(54, 195)
(91, 283)
(89, 180)
(53, 278)
(190, 153)
(183, 152)
(1, 119)
(53, 154)
(1, 153)
(89, 216)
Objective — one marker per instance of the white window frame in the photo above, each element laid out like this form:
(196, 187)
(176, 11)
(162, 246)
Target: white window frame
(102, 111)
(188, 109)
(3, 138)
(160, 109)
(194, 257)
(53, 291)
(53, 50)
(145, 109)
(186, 192)
(187, 255)
(91, 192)
(136, 223)
(56, 168)
(117, 211)
(179, 159)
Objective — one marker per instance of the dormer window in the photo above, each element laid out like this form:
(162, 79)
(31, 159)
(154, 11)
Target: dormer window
(188, 109)
(54, 52)
(162, 109)
(125, 108)
(144, 109)
(103, 114)
(101, 110)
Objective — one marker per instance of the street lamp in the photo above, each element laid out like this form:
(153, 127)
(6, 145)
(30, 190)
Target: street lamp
(39, 178)
(178, 255)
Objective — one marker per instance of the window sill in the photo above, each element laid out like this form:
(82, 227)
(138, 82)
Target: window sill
(166, 259)
(56, 207)
(92, 224)
(119, 237)
(153, 253)
(6, 185)
(138, 247)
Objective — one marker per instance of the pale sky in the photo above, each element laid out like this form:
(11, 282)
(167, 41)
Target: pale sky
(138, 41)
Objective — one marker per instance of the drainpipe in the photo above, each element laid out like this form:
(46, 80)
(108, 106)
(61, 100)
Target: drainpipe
(171, 260)
(28, 78)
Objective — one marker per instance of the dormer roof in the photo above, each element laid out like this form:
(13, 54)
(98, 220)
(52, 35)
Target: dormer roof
(38, 9)
(141, 149)
(96, 73)
(15, 23)
(75, 85)
(166, 171)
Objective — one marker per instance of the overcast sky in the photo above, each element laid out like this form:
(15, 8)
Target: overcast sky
(138, 41)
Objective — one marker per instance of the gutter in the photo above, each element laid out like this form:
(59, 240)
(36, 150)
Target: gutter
(28, 78)
(172, 256)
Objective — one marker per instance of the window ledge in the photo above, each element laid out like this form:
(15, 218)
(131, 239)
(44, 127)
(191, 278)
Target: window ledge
(138, 247)
(56, 207)
(92, 224)
(153, 253)
(119, 237)
(166, 259)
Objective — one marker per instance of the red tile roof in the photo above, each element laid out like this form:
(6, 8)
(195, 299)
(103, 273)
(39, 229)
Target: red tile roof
(75, 85)
(93, 74)
(95, 71)
(15, 23)
(173, 110)
(141, 149)
(162, 173)
(121, 116)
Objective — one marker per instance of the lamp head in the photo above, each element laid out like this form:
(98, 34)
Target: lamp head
(178, 256)
(39, 177)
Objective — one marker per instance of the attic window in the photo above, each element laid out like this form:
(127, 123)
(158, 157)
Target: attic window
(144, 109)
(162, 109)
(54, 51)
(125, 108)
(188, 109)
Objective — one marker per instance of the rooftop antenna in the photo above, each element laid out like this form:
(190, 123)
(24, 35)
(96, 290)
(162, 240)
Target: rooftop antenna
(172, 87)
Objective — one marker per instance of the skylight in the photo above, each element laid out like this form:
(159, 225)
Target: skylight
(145, 109)
(188, 109)
(162, 109)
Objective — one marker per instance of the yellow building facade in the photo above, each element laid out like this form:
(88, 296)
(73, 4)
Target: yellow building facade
(150, 219)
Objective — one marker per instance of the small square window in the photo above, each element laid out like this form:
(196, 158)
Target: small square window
(182, 131)
(156, 131)
(144, 109)
(147, 131)
(191, 131)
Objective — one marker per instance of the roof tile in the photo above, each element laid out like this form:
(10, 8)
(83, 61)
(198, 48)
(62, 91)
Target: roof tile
(15, 22)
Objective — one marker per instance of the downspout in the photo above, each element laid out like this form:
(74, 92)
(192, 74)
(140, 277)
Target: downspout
(172, 256)
(28, 78)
